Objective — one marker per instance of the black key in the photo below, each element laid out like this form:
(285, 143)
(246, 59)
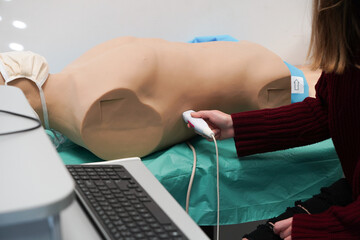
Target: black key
(89, 184)
(158, 213)
(174, 234)
(121, 184)
(124, 175)
(169, 227)
(164, 236)
(99, 183)
(145, 199)
(139, 235)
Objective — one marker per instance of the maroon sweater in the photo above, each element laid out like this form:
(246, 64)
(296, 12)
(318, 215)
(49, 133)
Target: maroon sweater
(335, 113)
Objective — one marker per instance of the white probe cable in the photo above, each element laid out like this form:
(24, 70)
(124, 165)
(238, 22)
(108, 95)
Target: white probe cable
(217, 185)
(217, 189)
(191, 177)
(201, 127)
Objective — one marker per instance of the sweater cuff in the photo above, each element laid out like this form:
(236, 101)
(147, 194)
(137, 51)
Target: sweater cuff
(249, 137)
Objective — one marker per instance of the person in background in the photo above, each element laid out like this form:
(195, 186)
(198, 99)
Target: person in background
(334, 113)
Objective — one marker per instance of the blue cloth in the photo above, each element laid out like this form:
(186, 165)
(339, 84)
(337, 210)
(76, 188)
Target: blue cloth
(213, 39)
(299, 89)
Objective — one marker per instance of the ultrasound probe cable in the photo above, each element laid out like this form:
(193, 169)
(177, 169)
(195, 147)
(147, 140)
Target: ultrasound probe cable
(202, 128)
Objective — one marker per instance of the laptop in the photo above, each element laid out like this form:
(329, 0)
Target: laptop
(118, 186)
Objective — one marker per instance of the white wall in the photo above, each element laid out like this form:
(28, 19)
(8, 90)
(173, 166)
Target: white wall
(61, 30)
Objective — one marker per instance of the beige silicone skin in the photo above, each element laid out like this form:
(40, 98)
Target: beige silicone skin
(125, 97)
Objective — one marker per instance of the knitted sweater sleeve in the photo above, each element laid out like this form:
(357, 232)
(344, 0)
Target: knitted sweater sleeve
(297, 124)
(335, 223)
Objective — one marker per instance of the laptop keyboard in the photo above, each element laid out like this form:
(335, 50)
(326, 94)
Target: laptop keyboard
(119, 206)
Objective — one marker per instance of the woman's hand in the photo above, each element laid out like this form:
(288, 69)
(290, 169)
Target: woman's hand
(220, 123)
(283, 228)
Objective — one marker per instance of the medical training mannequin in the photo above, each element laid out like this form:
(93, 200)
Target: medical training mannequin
(125, 97)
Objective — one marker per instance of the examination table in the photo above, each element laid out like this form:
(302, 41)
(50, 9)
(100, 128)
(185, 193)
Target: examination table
(252, 188)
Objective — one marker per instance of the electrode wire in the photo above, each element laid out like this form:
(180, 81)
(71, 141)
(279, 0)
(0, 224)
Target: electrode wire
(37, 121)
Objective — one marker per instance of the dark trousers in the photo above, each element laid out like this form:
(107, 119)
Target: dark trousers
(338, 194)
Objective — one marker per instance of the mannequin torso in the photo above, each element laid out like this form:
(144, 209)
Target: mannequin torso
(125, 97)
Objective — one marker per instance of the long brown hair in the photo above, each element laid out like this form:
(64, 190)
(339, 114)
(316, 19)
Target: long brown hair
(335, 36)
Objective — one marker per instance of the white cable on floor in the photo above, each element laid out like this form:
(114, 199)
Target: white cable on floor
(217, 185)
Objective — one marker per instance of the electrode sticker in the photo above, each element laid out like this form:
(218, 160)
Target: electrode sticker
(297, 84)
